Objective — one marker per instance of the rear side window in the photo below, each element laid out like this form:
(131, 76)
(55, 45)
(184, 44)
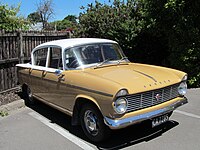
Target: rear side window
(40, 56)
(55, 58)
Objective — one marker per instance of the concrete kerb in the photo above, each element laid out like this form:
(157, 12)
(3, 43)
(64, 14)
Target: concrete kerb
(12, 106)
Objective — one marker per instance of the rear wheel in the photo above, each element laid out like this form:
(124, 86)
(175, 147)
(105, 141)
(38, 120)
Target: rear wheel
(92, 123)
(28, 95)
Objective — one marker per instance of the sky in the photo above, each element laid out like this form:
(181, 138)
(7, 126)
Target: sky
(62, 8)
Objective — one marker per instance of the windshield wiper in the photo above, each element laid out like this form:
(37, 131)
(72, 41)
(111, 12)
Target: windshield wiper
(106, 60)
(123, 58)
(103, 62)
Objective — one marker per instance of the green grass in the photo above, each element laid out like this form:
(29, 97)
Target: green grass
(3, 113)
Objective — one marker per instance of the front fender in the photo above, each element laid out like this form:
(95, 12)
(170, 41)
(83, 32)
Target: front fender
(81, 96)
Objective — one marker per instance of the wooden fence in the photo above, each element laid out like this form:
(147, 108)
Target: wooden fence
(15, 47)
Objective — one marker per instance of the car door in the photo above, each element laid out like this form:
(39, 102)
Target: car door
(55, 80)
(37, 72)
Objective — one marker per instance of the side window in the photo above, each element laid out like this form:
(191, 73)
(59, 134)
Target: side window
(71, 61)
(55, 58)
(40, 56)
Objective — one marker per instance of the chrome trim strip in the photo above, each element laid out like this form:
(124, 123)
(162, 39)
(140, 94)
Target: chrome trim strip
(90, 90)
(146, 75)
(62, 109)
(117, 124)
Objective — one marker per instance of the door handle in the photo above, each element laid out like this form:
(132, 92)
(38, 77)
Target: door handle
(61, 78)
(44, 74)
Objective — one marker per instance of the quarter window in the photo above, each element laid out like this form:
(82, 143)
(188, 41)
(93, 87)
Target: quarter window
(71, 59)
(40, 57)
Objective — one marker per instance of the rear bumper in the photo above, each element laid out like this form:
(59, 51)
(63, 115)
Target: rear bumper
(117, 124)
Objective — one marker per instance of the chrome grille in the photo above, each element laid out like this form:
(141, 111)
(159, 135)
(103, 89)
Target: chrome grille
(148, 99)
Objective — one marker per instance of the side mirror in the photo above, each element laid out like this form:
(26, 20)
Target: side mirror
(58, 72)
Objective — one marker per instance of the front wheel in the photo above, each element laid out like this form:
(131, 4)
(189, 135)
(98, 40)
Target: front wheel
(92, 123)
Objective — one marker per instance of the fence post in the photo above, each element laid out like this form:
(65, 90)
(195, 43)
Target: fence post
(21, 52)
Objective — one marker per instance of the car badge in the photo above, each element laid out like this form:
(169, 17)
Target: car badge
(157, 97)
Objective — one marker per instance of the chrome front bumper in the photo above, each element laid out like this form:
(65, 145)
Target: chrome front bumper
(117, 124)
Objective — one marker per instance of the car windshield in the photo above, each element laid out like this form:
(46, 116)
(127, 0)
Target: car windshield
(93, 55)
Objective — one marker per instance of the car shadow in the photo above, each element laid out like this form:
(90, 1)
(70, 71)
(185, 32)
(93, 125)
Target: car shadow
(135, 134)
(122, 138)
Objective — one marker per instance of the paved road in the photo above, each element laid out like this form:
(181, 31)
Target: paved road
(43, 128)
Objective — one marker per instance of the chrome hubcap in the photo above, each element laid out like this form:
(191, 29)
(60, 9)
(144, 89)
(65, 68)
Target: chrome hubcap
(30, 95)
(90, 121)
(29, 92)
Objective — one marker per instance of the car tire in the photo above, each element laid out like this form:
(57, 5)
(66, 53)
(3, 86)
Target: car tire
(28, 96)
(92, 123)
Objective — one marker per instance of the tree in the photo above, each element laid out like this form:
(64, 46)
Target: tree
(46, 11)
(9, 20)
(71, 18)
(34, 17)
(120, 21)
(68, 23)
(177, 22)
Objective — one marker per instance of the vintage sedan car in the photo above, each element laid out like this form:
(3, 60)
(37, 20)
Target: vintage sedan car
(94, 82)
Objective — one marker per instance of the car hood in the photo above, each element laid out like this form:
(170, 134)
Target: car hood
(138, 77)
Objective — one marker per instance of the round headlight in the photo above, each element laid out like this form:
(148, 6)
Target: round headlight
(185, 77)
(182, 89)
(120, 105)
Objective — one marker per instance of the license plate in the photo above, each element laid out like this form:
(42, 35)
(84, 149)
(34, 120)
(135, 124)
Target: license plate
(159, 120)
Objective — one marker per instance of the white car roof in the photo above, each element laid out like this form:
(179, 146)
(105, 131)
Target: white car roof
(67, 43)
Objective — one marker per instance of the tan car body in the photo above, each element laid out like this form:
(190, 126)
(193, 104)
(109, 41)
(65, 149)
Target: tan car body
(100, 86)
